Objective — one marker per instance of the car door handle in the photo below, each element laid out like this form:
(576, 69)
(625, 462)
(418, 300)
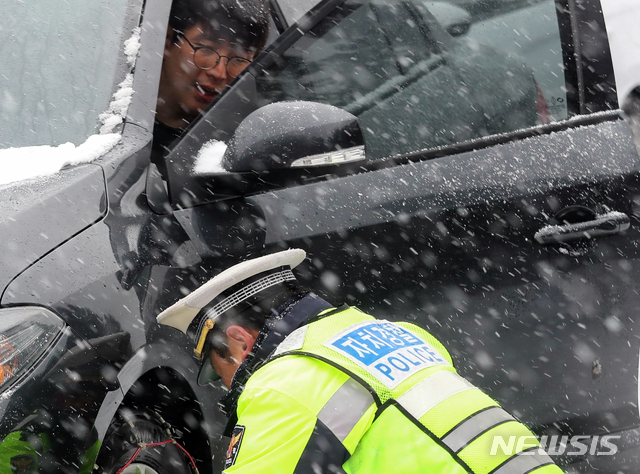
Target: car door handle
(605, 224)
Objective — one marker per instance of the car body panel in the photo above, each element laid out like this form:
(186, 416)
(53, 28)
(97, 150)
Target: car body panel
(81, 190)
(447, 182)
(127, 253)
(153, 27)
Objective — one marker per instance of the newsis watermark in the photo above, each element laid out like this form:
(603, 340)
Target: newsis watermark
(579, 445)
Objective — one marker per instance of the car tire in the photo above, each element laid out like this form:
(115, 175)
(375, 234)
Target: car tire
(131, 428)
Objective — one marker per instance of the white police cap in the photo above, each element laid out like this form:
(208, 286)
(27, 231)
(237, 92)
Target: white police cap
(187, 315)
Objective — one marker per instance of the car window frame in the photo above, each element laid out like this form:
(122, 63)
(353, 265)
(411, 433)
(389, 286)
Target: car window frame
(153, 19)
(583, 70)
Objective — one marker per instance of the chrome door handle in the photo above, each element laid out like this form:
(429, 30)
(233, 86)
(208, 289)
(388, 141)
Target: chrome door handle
(606, 224)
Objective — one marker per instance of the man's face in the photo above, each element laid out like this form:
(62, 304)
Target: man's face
(185, 89)
(239, 341)
(225, 367)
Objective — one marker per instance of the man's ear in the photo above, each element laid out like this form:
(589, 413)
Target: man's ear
(168, 41)
(241, 340)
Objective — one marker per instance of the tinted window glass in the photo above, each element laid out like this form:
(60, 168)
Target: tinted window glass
(530, 34)
(424, 74)
(58, 67)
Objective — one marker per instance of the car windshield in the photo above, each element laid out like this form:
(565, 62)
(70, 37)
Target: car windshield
(59, 61)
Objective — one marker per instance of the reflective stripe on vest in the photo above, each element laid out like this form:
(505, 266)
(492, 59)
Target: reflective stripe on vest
(432, 390)
(474, 426)
(345, 408)
(525, 461)
(437, 388)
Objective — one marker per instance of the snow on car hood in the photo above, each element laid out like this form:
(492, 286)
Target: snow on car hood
(17, 164)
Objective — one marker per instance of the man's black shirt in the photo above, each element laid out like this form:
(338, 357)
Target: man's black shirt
(163, 138)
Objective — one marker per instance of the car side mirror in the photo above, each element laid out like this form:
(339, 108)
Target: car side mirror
(289, 135)
(283, 143)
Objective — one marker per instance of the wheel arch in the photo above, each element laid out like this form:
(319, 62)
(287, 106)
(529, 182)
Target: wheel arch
(153, 381)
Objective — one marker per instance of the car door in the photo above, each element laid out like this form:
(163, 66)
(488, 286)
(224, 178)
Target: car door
(498, 209)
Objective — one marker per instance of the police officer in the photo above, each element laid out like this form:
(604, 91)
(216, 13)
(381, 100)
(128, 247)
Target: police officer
(318, 389)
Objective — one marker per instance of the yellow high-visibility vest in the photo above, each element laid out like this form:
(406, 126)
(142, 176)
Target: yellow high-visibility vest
(349, 393)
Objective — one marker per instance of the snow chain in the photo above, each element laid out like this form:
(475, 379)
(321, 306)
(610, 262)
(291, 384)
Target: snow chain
(142, 446)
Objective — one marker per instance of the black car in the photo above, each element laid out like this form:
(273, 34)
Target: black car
(494, 204)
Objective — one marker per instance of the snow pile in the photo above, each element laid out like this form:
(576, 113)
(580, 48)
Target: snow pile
(36, 161)
(118, 107)
(209, 159)
(132, 47)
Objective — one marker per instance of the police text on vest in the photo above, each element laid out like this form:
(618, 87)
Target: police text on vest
(387, 351)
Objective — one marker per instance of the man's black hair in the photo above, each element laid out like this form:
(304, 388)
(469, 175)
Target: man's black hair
(241, 22)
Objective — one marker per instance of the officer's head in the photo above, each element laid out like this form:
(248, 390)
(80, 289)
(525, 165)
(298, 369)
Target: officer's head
(208, 43)
(223, 318)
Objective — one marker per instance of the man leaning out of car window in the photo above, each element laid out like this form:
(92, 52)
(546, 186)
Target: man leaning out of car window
(208, 44)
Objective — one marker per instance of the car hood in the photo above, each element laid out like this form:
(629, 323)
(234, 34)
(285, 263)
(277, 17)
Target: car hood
(36, 216)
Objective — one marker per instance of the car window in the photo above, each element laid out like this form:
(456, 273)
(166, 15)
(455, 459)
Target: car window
(349, 61)
(531, 35)
(59, 61)
(413, 86)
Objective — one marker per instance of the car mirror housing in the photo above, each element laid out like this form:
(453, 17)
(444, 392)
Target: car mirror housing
(298, 134)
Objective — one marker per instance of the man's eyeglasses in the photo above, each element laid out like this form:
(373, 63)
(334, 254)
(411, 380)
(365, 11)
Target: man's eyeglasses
(207, 58)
